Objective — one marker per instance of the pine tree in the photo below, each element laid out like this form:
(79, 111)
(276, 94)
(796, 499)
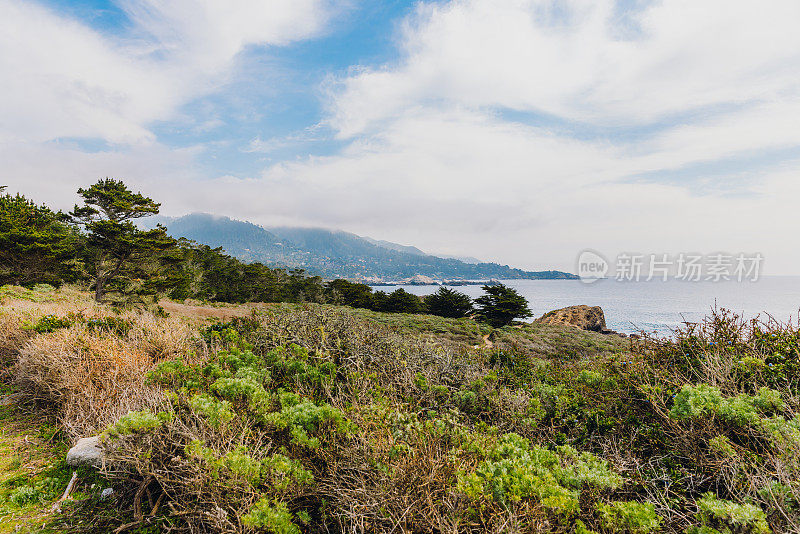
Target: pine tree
(126, 260)
(449, 303)
(501, 305)
(36, 246)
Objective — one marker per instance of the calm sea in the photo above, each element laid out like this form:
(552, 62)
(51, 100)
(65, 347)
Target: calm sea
(655, 306)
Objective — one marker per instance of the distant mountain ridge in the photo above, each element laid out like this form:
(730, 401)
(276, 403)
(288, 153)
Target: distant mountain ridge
(333, 253)
(394, 246)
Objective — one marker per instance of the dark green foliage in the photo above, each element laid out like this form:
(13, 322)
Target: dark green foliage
(349, 293)
(205, 273)
(781, 348)
(501, 305)
(116, 325)
(448, 303)
(399, 301)
(361, 296)
(127, 261)
(36, 246)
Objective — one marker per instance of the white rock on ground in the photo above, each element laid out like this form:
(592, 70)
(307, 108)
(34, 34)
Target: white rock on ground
(8, 400)
(86, 451)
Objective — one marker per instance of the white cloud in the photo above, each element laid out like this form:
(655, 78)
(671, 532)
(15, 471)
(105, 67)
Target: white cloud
(205, 35)
(580, 60)
(431, 158)
(61, 78)
(275, 143)
(51, 173)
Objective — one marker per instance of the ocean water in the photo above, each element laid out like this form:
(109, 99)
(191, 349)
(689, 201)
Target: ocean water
(656, 306)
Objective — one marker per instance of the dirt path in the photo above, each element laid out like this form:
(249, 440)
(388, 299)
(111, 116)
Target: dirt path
(487, 343)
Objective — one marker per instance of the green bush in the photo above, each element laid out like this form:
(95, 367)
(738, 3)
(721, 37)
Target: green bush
(277, 471)
(137, 422)
(174, 374)
(247, 385)
(293, 367)
(514, 470)
(217, 412)
(630, 517)
(704, 400)
(721, 446)
(780, 496)
(272, 516)
(116, 325)
(50, 323)
(303, 417)
(726, 517)
(24, 495)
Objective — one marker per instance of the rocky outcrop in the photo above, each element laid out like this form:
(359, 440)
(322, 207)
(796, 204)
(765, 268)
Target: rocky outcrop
(584, 317)
(86, 452)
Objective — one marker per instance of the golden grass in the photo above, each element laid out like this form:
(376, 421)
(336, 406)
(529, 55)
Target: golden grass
(91, 375)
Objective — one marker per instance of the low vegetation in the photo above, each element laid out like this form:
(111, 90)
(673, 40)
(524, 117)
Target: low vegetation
(322, 418)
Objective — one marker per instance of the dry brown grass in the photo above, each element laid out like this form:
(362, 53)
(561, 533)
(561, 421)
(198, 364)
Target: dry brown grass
(92, 378)
(197, 312)
(12, 336)
(91, 375)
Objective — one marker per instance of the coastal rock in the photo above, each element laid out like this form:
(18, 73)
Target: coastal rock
(584, 317)
(86, 452)
(421, 280)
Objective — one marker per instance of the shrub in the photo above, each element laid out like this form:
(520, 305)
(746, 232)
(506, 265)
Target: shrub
(514, 471)
(632, 517)
(91, 378)
(272, 516)
(174, 374)
(285, 471)
(25, 495)
(721, 445)
(116, 325)
(217, 412)
(137, 422)
(294, 367)
(50, 323)
(780, 496)
(704, 400)
(696, 402)
(303, 417)
(729, 517)
(246, 385)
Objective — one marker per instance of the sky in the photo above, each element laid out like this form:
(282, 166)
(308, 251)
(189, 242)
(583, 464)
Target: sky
(517, 131)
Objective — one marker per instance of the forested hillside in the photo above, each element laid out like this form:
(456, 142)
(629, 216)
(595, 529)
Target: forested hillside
(333, 253)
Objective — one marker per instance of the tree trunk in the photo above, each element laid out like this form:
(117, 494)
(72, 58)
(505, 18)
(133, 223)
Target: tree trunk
(100, 283)
(99, 286)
